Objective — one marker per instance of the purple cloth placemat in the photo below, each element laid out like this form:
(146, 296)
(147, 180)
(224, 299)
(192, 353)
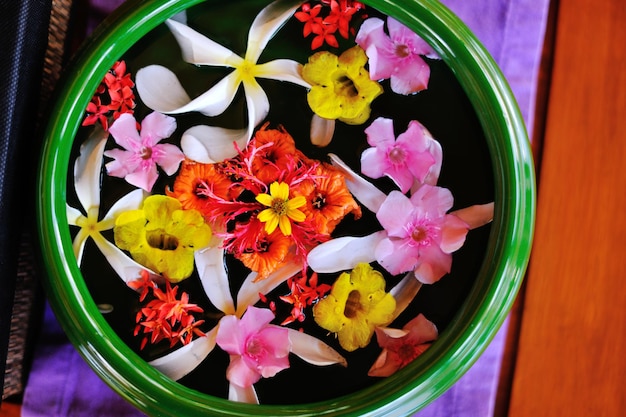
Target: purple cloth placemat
(61, 384)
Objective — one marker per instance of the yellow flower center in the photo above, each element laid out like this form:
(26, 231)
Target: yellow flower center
(247, 71)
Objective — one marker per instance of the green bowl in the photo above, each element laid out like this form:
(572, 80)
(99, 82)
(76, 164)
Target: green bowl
(499, 270)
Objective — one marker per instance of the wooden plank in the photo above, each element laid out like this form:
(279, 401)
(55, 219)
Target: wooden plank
(572, 341)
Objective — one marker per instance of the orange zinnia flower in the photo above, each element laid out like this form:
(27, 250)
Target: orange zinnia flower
(194, 181)
(272, 160)
(269, 253)
(328, 200)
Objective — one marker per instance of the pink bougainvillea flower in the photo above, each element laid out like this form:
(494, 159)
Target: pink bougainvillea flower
(405, 159)
(256, 348)
(401, 347)
(420, 235)
(137, 162)
(397, 56)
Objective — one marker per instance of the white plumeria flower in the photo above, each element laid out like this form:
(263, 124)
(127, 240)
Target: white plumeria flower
(214, 279)
(87, 169)
(160, 89)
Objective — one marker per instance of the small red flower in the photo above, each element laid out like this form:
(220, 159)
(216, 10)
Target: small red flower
(168, 318)
(113, 97)
(325, 19)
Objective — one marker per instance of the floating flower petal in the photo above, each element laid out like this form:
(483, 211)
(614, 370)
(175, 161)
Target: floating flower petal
(397, 56)
(341, 86)
(162, 236)
(356, 305)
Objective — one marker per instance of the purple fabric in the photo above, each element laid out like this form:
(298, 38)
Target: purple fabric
(61, 384)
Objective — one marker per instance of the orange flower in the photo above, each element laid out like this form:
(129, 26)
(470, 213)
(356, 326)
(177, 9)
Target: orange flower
(268, 253)
(194, 181)
(272, 160)
(328, 200)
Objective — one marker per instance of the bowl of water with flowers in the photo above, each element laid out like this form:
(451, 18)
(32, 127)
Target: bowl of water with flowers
(283, 207)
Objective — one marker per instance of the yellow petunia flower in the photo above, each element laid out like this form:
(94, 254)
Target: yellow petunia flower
(162, 236)
(356, 305)
(341, 87)
(281, 208)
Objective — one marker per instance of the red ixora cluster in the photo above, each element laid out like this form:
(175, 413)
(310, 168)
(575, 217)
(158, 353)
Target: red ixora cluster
(326, 18)
(114, 96)
(165, 317)
(304, 292)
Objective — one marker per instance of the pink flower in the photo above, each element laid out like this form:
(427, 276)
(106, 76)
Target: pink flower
(420, 235)
(137, 163)
(257, 349)
(401, 347)
(397, 56)
(404, 160)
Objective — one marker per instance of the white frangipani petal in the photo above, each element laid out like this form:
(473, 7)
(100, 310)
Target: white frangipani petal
(78, 245)
(313, 350)
(180, 362)
(199, 50)
(213, 275)
(211, 144)
(363, 190)
(88, 167)
(266, 24)
(73, 215)
(282, 70)
(124, 266)
(404, 292)
(437, 152)
(249, 292)
(395, 333)
(131, 201)
(257, 102)
(477, 215)
(243, 395)
(344, 253)
(160, 89)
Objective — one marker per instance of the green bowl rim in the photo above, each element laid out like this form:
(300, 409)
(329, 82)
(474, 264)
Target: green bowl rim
(464, 340)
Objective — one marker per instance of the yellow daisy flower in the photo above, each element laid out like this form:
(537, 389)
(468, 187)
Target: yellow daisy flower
(356, 305)
(281, 208)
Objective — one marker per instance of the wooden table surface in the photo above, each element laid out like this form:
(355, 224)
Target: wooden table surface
(572, 343)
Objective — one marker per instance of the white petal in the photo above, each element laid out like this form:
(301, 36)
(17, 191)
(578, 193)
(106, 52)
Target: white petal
(322, 130)
(180, 362)
(125, 267)
(214, 278)
(437, 152)
(282, 70)
(258, 104)
(477, 215)
(242, 395)
(404, 292)
(344, 253)
(266, 24)
(249, 292)
(88, 167)
(78, 245)
(200, 50)
(73, 215)
(313, 350)
(364, 191)
(160, 90)
(131, 201)
(211, 144)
